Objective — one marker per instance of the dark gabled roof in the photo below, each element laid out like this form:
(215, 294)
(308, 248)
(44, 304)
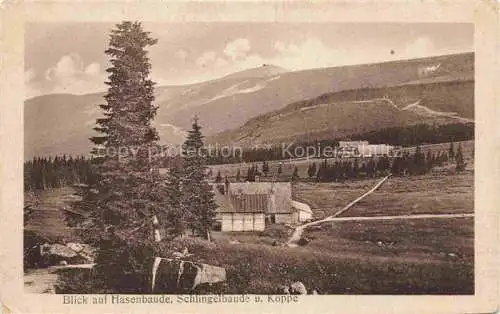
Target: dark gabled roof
(254, 197)
(248, 203)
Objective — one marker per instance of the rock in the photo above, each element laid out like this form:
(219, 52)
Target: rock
(71, 253)
(53, 254)
(88, 252)
(63, 263)
(303, 241)
(84, 250)
(283, 290)
(77, 247)
(177, 276)
(298, 288)
(314, 291)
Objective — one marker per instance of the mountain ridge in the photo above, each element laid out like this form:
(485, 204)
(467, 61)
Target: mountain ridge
(62, 123)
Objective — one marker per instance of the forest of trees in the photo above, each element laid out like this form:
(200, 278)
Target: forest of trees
(46, 172)
(406, 136)
(415, 164)
(342, 169)
(419, 134)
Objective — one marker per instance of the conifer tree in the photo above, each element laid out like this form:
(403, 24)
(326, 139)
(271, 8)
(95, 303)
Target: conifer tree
(198, 197)
(265, 168)
(451, 152)
(127, 193)
(311, 171)
(174, 219)
(429, 160)
(370, 168)
(295, 174)
(396, 166)
(322, 174)
(355, 168)
(459, 159)
(218, 177)
(418, 165)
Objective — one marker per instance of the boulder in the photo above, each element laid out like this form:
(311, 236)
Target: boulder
(298, 288)
(303, 241)
(84, 250)
(283, 290)
(178, 276)
(53, 254)
(77, 247)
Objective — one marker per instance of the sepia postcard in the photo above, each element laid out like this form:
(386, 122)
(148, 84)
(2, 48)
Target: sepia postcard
(249, 157)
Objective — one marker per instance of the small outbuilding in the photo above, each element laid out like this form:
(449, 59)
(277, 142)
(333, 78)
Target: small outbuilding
(304, 211)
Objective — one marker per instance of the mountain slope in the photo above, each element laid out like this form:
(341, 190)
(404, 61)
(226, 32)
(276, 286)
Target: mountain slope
(347, 113)
(56, 124)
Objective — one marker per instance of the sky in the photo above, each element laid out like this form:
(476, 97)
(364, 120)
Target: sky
(70, 58)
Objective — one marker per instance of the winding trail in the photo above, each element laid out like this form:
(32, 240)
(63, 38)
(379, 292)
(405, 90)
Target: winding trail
(292, 242)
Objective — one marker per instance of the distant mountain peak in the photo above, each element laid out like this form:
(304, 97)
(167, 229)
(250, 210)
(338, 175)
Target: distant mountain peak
(265, 70)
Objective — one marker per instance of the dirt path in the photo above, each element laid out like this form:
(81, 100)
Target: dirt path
(292, 242)
(43, 280)
(416, 216)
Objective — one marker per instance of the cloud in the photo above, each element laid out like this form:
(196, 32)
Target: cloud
(237, 55)
(67, 67)
(31, 89)
(29, 75)
(237, 49)
(420, 47)
(311, 53)
(71, 75)
(234, 56)
(93, 69)
(206, 59)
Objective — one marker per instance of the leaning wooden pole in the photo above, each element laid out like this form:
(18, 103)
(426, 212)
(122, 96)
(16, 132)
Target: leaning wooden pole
(300, 229)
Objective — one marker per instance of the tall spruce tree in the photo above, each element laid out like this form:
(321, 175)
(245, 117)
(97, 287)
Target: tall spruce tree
(174, 218)
(218, 177)
(295, 174)
(126, 193)
(265, 168)
(451, 152)
(198, 197)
